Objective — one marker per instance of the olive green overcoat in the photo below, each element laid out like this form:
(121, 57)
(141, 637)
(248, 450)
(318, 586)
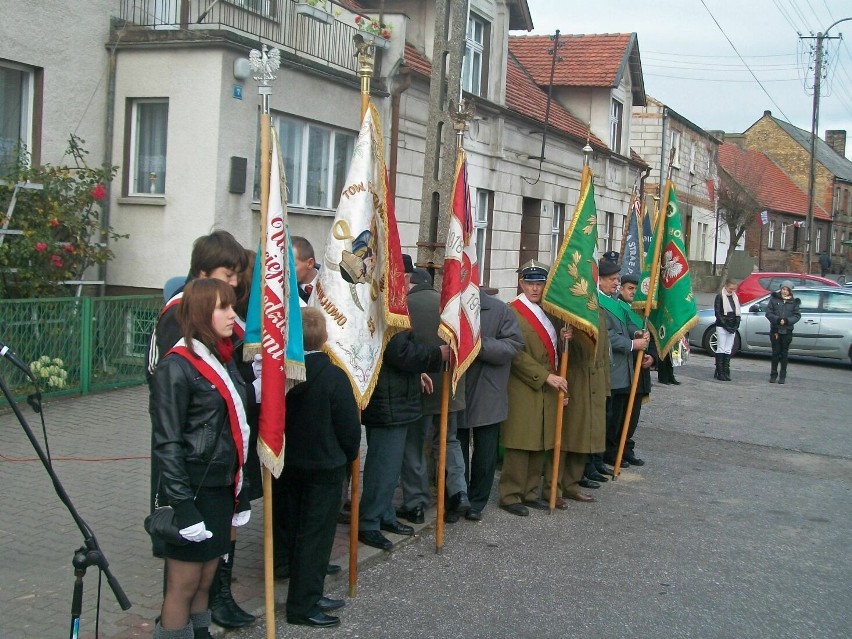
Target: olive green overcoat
(531, 422)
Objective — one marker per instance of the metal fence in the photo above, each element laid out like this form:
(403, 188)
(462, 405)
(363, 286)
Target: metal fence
(78, 345)
(275, 22)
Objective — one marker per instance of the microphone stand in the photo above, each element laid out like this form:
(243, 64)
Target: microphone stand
(90, 554)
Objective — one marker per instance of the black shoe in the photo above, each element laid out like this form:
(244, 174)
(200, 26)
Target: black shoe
(624, 462)
(781, 380)
(538, 504)
(460, 503)
(397, 528)
(773, 378)
(674, 382)
(597, 477)
(451, 516)
(588, 483)
(375, 539)
(332, 569)
(634, 460)
(327, 605)
(603, 469)
(517, 509)
(319, 620)
(415, 515)
(473, 515)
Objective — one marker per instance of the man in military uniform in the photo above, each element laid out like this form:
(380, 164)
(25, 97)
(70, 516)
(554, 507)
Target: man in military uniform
(528, 431)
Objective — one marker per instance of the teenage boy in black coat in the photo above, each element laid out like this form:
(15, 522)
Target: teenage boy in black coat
(323, 436)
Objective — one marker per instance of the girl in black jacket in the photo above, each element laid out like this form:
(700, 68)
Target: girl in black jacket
(200, 439)
(782, 313)
(727, 307)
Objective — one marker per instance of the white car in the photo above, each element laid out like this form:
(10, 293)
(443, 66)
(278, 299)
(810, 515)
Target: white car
(825, 329)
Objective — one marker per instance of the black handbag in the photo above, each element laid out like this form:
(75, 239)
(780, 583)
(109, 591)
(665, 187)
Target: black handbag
(161, 525)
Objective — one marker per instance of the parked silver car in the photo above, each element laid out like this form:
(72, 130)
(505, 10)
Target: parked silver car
(825, 329)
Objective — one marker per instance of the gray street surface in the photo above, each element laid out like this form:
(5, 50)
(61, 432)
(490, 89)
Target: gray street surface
(737, 526)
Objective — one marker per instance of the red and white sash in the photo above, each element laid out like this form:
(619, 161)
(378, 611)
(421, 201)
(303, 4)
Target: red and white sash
(541, 324)
(214, 372)
(174, 301)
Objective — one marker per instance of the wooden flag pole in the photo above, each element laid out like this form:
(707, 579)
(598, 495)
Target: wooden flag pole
(652, 290)
(364, 53)
(264, 64)
(442, 457)
(557, 437)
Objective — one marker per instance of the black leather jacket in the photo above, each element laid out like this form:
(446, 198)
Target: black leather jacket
(779, 309)
(190, 430)
(729, 321)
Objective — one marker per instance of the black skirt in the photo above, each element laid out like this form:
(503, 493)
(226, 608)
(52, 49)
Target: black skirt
(216, 505)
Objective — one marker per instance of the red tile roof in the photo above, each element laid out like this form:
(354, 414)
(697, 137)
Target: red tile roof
(592, 60)
(522, 96)
(637, 158)
(527, 99)
(766, 181)
(417, 61)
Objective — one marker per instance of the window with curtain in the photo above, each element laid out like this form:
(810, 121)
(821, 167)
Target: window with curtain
(149, 127)
(482, 228)
(557, 222)
(316, 159)
(15, 112)
(616, 116)
(475, 64)
(770, 240)
(783, 237)
(675, 139)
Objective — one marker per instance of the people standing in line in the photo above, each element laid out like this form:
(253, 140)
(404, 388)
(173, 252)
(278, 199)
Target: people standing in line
(424, 309)
(727, 308)
(199, 440)
(214, 256)
(528, 431)
(486, 399)
(394, 405)
(627, 292)
(625, 338)
(783, 313)
(307, 271)
(323, 438)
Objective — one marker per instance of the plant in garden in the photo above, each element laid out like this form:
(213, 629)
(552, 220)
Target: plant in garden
(373, 26)
(51, 372)
(61, 223)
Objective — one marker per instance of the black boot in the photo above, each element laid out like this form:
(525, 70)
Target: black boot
(773, 374)
(225, 610)
(726, 368)
(783, 376)
(718, 373)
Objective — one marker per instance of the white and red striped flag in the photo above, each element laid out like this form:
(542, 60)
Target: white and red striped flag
(460, 289)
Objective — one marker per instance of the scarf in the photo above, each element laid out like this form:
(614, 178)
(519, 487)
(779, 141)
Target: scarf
(225, 349)
(727, 307)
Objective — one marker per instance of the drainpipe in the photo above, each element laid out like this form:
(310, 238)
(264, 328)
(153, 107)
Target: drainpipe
(402, 84)
(647, 172)
(663, 156)
(109, 129)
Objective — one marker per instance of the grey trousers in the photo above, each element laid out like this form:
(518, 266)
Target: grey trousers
(385, 447)
(415, 471)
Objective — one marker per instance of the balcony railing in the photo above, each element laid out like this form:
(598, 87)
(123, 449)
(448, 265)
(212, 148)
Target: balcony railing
(273, 22)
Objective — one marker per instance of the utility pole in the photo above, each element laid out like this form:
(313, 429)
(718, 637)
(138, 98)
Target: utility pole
(438, 165)
(820, 37)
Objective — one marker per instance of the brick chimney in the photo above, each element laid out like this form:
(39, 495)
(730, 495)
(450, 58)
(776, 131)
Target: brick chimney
(837, 140)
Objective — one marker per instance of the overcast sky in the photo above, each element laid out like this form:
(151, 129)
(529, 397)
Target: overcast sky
(689, 65)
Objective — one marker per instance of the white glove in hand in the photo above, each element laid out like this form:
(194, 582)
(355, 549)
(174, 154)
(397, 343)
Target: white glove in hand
(240, 518)
(257, 391)
(257, 365)
(196, 532)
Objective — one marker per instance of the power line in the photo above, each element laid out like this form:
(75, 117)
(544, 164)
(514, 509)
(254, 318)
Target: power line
(696, 55)
(801, 15)
(725, 80)
(786, 17)
(780, 110)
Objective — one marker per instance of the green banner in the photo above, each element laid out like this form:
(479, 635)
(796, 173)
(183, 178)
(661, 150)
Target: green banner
(571, 292)
(666, 278)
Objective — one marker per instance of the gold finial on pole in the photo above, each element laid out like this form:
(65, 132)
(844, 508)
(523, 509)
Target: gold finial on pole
(588, 150)
(365, 52)
(461, 114)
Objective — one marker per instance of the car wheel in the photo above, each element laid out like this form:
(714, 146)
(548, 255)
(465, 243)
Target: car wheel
(708, 342)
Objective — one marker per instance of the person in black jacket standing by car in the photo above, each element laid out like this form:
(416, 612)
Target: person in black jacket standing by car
(323, 438)
(782, 313)
(727, 307)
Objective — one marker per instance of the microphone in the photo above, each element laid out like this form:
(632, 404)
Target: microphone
(6, 352)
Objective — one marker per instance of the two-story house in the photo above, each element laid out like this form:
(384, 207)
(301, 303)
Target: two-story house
(790, 148)
(656, 131)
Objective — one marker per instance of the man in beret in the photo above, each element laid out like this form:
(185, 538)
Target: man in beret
(529, 429)
(625, 338)
(627, 292)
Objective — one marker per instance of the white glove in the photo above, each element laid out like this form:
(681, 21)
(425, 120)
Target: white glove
(257, 365)
(241, 518)
(256, 386)
(196, 532)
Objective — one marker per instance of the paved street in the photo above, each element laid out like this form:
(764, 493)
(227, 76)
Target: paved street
(737, 526)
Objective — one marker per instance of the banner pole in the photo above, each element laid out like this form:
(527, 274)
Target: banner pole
(557, 437)
(442, 458)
